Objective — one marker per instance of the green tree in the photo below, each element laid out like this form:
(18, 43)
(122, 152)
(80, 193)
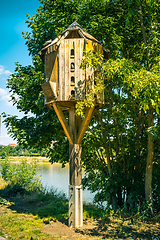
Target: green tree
(120, 143)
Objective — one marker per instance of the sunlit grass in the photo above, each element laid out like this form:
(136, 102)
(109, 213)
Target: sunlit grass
(24, 225)
(21, 226)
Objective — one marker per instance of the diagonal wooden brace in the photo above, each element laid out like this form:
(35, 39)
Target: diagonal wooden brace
(63, 122)
(85, 124)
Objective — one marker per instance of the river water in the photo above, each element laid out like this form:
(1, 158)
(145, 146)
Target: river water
(53, 176)
(56, 177)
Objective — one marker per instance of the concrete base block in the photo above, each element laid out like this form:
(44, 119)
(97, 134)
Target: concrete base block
(75, 206)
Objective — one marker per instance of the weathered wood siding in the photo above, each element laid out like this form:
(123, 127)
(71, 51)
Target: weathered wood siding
(62, 69)
(51, 69)
(51, 64)
(94, 47)
(71, 77)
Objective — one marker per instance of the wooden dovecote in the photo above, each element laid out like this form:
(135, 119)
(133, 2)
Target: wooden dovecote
(65, 82)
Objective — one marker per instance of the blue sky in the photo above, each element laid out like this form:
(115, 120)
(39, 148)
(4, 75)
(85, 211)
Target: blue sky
(12, 49)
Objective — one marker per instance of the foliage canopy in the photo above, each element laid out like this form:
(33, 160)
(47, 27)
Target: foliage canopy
(122, 145)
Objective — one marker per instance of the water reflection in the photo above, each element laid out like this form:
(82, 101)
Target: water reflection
(54, 176)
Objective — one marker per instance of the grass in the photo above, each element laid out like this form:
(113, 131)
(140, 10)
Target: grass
(20, 226)
(25, 215)
(18, 219)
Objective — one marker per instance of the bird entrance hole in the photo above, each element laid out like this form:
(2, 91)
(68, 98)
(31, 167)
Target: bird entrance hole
(72, 66)
(72, 52)
(72, 81)
(73, 94)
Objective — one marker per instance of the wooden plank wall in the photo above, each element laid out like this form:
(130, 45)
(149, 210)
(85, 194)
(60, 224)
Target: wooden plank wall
(89, 70)
(84, 80)
(79, 86)
(72, 72)
(65, 71)
(51, 67)
(61, 71)
(95, 47)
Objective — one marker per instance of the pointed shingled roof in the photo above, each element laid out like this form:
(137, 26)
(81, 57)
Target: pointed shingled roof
(73, 27)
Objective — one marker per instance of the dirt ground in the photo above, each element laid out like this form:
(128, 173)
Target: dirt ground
(96, 229)
(92, 229)
(112, 227)
(62, 231)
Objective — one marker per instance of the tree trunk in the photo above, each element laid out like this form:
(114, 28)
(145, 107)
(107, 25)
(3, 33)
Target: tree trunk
(106, 147)
(149, 165)
(104, 142)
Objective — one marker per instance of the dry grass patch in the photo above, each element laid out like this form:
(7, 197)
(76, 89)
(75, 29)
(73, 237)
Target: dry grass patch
(17, 159)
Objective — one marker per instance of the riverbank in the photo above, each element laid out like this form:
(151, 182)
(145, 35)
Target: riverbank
(44, 216)
(54, 176)
(39, 160)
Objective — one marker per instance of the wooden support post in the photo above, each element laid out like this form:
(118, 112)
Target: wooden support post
(75, 164)
(85, 124)
(75, 132)
(63, 122)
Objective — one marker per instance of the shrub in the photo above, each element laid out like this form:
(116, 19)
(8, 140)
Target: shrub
(3, 155)
(23, 175)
